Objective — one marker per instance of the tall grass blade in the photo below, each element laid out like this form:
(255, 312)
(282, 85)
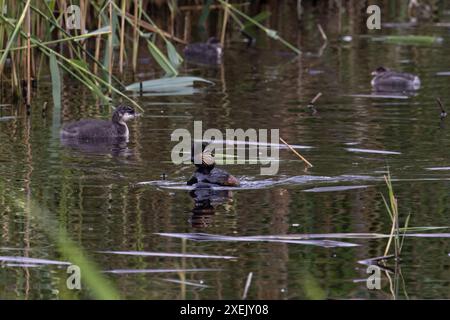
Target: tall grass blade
(56, 92)
(161, 59)
(175, 59)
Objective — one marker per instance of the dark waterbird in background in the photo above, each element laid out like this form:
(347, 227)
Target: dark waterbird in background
(386, 80)
(207, 172)
(209, 52)
(94, 130)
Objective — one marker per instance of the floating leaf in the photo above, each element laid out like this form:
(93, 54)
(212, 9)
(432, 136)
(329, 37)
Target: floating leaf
(22, 265)
(165, 84)
(377, 96)
(281, 239)
(335, 188)
(189, 283)
(126, 271)
(181, 91)
(372, 151)
(6, 118)
(410, 39)
(170, 255)
(27, 260)
(438, 169)
(443, 73)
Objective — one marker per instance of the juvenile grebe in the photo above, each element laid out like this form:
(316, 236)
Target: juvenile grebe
(387, 80)
(210, 52)
(93, 129)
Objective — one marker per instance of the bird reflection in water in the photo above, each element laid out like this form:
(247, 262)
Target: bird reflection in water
(206, 200)
(114, 146)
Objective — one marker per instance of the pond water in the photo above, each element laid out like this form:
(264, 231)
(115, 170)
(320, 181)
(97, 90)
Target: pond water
(117, 200)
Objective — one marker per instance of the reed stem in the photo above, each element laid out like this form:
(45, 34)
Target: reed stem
(122, 35)
(135, 35)
(110, 44)
(28, 56)
(224, 25)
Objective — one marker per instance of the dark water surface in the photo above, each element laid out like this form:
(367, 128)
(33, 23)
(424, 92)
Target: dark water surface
(97, 197)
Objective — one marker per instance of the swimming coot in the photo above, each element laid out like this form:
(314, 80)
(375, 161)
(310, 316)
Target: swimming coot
(209, 52)
(93, 129)
(388, 80)
(207, 172)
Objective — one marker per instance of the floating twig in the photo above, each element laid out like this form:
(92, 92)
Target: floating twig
(211, 7)
(298, 154)
(313, 101)
(247, 285)
(441, 106)
(44, 109)
(324, 36)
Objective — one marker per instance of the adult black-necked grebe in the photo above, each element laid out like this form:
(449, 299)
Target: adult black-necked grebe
(207, 172)
(93, 129)
(388, 80)
(210, 52)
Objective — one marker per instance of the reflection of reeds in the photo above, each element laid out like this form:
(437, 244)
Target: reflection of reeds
(100, 287)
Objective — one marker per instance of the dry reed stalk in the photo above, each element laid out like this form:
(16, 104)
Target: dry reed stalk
(29, 57)
(172, 20)
(324, 36)
(122, 36)
(14, 77)
(313, 101)
(211, 7)
(63, 7)
(135, 35)
(187, 26)
(441, 107)
(97, 45)
(247, 285)
(149, 27)
(110, 44)
(224, 25)
(83, 8)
